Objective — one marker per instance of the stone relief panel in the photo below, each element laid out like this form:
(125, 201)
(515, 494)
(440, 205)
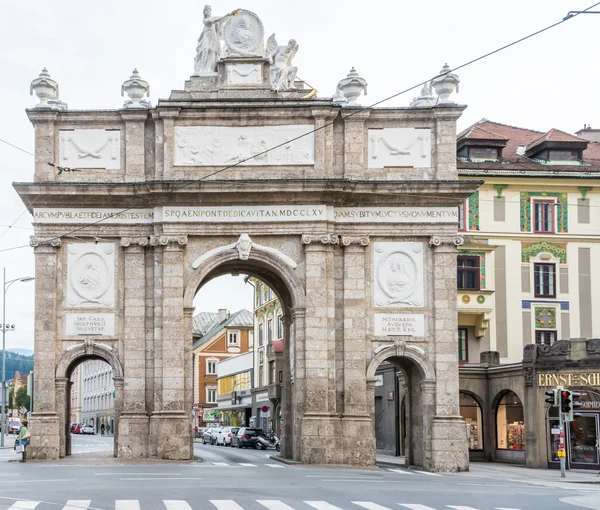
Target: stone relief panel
(408, 147)
(226, 145)
(90, 148)
(398, 274)
(244, 35)
(243, 74)
(90, 275)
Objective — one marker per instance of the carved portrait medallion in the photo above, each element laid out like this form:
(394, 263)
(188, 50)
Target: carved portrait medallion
(91, 275)
(398, 274)
(244, 35)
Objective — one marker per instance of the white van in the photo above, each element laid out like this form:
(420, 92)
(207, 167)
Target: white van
(14, 425)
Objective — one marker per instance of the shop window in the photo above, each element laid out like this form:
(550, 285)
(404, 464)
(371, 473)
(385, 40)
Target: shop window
(470, 410)
(261, 334)
(543, 216)
(545, 336)
(544, 277)
(462, 216)
(463, 349)
(510, 423)
(467, 272)
(279, 326)
(211, 367)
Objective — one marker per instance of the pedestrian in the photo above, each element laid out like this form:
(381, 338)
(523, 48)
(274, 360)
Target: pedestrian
(107, 430)
(102, 429)
(24, 436)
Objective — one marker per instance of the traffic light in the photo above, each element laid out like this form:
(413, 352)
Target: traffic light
(575, 404)
(552, 394)
(565, 402)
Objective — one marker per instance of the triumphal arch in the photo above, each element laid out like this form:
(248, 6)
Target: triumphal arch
(347, 212)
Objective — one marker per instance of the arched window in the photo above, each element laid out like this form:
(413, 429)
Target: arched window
(470, 410)
(510, 423)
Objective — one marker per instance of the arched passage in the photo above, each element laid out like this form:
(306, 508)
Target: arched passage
(70, 360)
(510, 427)
(418, 377)
(277, 271)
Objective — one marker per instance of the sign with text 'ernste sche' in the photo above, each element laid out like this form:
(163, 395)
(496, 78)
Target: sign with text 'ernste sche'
(569, 379)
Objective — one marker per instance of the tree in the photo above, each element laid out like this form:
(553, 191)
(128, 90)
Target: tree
(11, 394)
(22, 399)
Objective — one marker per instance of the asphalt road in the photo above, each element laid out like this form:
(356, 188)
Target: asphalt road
(233, 479)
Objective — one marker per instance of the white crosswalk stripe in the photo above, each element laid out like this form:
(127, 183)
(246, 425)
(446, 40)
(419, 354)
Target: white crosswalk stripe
(401, 471)
(24, 505)
(416, 507)
(461, 507)
(370, 506)
(226, 504)
(322, 505)
(247, 464)
(274, 465)
(273, 504)
(427, 473)
(77, 504)
(176, 504)
(220, 464)
(127, 504)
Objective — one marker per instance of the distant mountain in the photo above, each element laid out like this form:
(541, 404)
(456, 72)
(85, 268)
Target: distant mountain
(17, 362)
(22, 352)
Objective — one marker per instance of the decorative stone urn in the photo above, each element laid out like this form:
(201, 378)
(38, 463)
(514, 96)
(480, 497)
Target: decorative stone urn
(350, 88)
(445, 84)
(136, 88)
(45, 88)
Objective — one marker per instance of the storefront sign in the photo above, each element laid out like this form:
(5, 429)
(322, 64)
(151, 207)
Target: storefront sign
(399, 324)
(583, 379)
(90, 323)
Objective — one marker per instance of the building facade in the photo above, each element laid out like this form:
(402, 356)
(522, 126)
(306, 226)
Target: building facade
(97, 395)
(76, 385)
(234, 389)
(216, 337)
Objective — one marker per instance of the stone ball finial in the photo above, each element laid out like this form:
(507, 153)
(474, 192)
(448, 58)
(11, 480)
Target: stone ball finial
(46, 89)
(444, 85)
(350, 88)
(135, 88)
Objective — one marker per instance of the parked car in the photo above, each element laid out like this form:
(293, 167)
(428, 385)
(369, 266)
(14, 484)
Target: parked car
(87, 429)
(224, 437)
(14, 425)
(246, 437)
(210, 435)
(199, 432)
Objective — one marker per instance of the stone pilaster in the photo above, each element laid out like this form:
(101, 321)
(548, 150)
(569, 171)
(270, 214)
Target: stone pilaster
(135, 123)
(323, 143)
(445, 147)
(45, 144)
(448, 444)
(295, 386)
(118, 409)
(355, 149)
(45, 423)
(60, 385)
(168, 141)
(134, 426)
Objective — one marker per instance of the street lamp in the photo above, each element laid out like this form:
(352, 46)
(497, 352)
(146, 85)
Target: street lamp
(5, 287)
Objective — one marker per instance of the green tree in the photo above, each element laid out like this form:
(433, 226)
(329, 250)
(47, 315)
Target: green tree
(11, 394)
(22, 399)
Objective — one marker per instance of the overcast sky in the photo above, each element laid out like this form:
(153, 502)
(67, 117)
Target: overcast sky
(91, 48)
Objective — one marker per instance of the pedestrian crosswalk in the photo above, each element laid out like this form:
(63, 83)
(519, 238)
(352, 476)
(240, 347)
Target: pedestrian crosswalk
(245, 464)
(230, 504)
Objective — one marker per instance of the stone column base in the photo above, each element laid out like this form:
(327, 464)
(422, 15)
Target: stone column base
(449, 452)
(174, 439)
(45, 437)
(358, 436)
(321, 440)
(132, 436)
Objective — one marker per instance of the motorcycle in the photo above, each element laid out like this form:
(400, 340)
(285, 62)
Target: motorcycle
(265, 443)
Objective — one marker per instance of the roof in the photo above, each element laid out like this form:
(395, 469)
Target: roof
(240, 319)
(204, 321)
(554, 136)
(513, 157)
(478, 132)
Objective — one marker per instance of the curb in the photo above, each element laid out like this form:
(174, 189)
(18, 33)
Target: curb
(283, 460)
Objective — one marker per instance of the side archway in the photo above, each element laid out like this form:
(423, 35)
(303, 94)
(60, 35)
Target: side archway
(84, 351)
(401, 350)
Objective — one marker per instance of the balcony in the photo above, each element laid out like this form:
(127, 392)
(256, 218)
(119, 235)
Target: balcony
(275, 350)
(475, 308)
(275, 392)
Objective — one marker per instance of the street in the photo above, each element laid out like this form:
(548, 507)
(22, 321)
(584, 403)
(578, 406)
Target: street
(232, 479)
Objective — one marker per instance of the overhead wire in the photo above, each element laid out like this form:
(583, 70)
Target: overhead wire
(328, 124)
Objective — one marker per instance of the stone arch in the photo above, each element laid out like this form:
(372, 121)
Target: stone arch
(475, 396)
(495, 407)
(401, 350)
(88, 350)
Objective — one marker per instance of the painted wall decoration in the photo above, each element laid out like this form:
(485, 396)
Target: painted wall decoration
(90, 275)
(529, 250)
(545, 318)
(398, 274)
(561, 209)
(481, 256)
(90, 148)
(473, 211)
(399, 147)
(227, 145)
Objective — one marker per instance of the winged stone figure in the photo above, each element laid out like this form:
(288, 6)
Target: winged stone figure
(283, 74)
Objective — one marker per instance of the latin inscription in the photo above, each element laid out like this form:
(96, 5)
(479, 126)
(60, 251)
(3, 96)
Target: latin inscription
(90, 324)
(399, 324)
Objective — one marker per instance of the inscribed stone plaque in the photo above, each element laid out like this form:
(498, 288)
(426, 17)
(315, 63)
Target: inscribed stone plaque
(400, 147)
(90, 275)
(400, 324)
(90, 324)
(398, 274)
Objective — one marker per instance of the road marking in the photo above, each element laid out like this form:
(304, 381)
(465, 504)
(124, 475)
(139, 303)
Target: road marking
(416, 507)
(370, 506)
(26, 505)
(498, 508)
(247, 464)
(461, 507)
(152, 479)
(273, 504)
(176, 504)
(226, 504)
(322, 505)
(138, 474)
(127, 504)
(77, 504)
(274, 465)
(220, 464)
(401, 471)
(427, 473)
(38, 481)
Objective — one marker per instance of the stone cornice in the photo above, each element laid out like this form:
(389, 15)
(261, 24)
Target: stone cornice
(359, 240)
(320, 238)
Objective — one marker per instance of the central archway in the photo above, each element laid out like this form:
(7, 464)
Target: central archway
(277, 271)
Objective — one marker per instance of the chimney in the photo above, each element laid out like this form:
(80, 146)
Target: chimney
(223, 314)
(593, 135)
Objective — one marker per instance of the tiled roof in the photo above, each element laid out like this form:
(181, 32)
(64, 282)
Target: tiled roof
(240, 319)
(203, 322)
(478, 132)
(556, 135)
(522, 138)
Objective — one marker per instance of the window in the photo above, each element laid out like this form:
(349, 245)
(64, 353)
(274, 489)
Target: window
(544, 277)
(488, 153)
(261, 333)
(271, 372)
(211, 395)
(270, 330)
(545, 336)
(564, 155)
(543, 216)
(467, 273)
(280, 326)
(261, 374)
(462, 217)
(470, 410)
(261, 356)
(211, 367)
(510, 423)
(234, 337)
(250, 338)
(463, 349)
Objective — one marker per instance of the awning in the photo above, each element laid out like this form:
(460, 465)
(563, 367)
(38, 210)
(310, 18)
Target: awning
(232, 406)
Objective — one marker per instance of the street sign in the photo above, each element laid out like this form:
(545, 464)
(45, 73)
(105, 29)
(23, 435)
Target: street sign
(264, 409)
(23, 410)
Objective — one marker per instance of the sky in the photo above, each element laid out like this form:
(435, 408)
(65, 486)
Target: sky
(91, 48)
